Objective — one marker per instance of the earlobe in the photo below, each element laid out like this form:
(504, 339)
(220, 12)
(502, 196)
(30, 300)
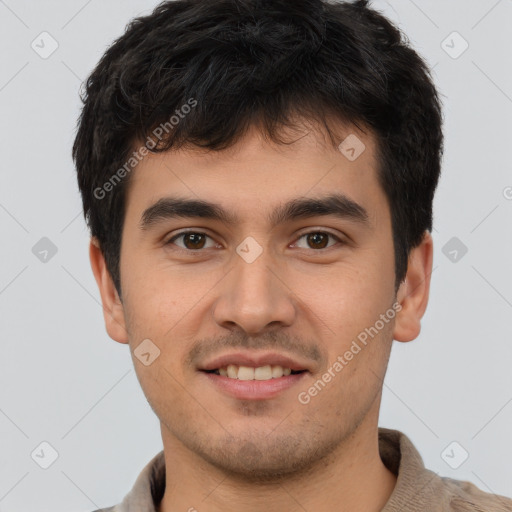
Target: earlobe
(113, 311)
(413, 292)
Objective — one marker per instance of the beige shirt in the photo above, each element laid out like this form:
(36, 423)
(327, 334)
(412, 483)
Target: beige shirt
(417, 489)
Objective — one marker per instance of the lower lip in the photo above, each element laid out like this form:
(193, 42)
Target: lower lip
(253, 389)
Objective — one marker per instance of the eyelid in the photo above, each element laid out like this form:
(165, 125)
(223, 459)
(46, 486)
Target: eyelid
(319, 229)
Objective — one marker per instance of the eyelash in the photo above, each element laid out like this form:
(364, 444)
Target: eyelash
(183, 233)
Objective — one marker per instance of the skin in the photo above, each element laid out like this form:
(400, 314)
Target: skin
(276, 454)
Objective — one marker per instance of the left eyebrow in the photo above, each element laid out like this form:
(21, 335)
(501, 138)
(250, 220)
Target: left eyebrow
(337, 205)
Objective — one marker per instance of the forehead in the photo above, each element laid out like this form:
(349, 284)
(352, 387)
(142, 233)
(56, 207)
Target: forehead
(254, 175)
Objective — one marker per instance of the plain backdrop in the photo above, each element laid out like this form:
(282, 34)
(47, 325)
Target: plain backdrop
(64, 382)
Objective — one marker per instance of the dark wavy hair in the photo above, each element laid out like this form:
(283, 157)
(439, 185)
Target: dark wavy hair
(264, 62)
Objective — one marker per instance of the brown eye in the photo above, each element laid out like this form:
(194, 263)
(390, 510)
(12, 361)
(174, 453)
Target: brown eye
(318, 240)
(191, 240)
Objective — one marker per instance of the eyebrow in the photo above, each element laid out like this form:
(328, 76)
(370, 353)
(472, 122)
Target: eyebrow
(337, 205)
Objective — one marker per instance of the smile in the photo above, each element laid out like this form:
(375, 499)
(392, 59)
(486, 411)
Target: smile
(266, 372)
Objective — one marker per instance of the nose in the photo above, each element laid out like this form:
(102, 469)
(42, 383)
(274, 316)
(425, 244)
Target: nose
(255, 297)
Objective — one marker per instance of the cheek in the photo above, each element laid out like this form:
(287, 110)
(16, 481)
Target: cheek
(150, 289)
(163, 306)
(347, 298)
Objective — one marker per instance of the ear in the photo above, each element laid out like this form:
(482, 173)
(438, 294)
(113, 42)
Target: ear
(413, 292)
(113, 311)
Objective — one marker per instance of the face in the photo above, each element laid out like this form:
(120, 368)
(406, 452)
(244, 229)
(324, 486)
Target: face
(283, 290)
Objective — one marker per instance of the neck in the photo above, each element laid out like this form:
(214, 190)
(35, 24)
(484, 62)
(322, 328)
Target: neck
(353, 479)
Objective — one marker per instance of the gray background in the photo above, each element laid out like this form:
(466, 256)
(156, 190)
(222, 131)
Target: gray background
(64, 381)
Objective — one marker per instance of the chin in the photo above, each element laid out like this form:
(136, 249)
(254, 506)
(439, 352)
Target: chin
(265, 460)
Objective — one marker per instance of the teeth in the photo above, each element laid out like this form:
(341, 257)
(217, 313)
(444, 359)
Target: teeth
(245, 373)
(261, 373)
(232, 371)
(277, 371)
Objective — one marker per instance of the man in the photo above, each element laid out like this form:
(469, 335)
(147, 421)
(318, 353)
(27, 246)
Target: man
(258, 179)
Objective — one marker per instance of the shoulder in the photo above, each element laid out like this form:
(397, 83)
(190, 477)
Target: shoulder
(467, 497)
(420, 489)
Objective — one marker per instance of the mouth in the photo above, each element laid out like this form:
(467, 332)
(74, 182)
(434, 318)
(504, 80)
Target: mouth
(266, 372)
(254, 376)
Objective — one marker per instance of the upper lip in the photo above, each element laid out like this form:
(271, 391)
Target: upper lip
(254, 360)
